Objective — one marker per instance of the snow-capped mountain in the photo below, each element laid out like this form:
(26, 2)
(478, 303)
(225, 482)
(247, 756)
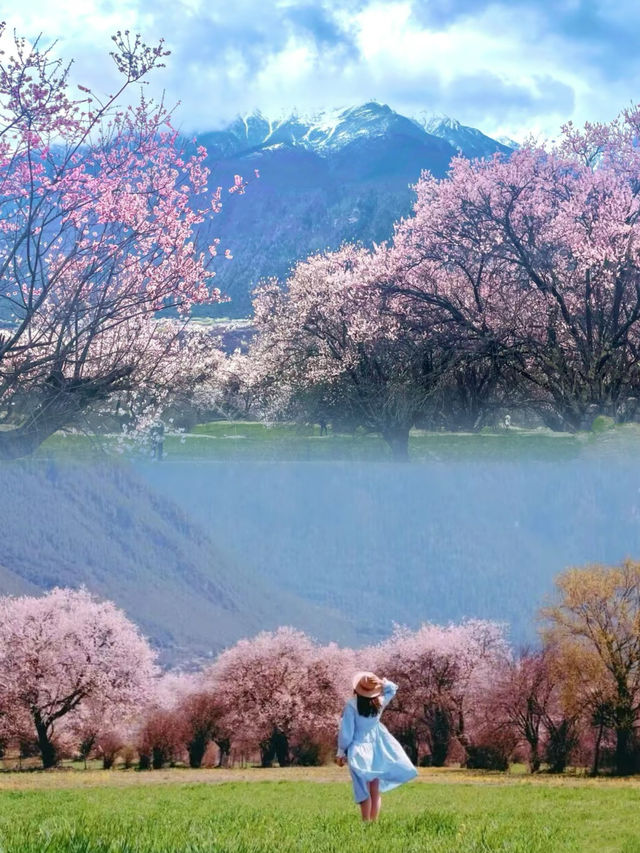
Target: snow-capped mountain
(323, 133)
(468, 141)
(509, 142)
(330, 131)
(340, 175)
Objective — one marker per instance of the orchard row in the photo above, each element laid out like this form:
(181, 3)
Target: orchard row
(78, 678)
(514, 286)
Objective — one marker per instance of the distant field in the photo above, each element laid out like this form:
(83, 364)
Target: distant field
(310, 811)
(229, 440)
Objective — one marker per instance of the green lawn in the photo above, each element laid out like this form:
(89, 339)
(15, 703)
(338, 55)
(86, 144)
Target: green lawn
(238, 440)
(308, 810)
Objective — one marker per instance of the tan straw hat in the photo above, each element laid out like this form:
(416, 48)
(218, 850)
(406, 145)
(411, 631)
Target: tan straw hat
(367, 684)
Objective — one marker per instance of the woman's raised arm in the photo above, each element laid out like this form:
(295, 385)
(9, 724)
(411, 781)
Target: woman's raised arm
(389, 690)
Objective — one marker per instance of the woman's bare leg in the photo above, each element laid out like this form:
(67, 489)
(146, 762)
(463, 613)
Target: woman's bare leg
(376, 799)
(365, 809)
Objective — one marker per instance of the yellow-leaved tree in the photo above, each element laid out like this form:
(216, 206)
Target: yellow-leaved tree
(594, 624)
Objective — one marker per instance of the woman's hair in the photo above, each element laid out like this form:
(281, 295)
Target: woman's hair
(368, 707)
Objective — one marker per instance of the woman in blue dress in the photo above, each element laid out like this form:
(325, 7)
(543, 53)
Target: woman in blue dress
(377, 762)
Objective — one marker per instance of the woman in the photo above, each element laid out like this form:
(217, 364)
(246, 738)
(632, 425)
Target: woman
(376, 760)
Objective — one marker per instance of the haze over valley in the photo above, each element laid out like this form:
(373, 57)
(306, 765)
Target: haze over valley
(203, 553)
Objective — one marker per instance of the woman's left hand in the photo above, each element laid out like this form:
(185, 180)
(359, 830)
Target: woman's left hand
(339, 761)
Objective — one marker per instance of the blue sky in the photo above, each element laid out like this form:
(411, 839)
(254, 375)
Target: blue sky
(506, 67)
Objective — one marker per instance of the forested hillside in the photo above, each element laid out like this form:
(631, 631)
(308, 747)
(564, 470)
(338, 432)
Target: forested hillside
(202, 554)
(435, 541)
(101, 526)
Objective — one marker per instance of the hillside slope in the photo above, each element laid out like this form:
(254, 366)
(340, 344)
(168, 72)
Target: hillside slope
(434, 541)
(103, 527)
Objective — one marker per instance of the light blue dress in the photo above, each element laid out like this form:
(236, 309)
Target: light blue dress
(371, 750)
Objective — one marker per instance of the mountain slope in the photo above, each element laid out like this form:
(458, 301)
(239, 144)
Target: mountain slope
(339, 176)
(201, 555)
(468, 141)
(434, 541)
(103, 527)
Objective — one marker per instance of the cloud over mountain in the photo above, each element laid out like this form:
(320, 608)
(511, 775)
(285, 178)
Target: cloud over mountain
(507, 67)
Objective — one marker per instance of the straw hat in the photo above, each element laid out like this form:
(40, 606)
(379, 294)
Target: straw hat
(367, 684)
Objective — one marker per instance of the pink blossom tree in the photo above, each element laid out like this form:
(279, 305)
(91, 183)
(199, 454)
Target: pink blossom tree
(99, 208)
(100, 730)
(534, 261)
(159, 740)
(158, 728)
(439, 672)
(192, 713)
(200, 718)
(520, 699)
(544, 702)
(277, 689)
(327, 345)
(63, 651)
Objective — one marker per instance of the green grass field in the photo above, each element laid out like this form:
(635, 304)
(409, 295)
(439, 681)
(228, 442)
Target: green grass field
(247, 440)
(310, 811)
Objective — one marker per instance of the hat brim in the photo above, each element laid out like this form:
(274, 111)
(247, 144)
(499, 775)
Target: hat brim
(367, 694)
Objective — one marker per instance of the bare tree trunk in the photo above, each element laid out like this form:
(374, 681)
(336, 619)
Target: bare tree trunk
(624, 742)
(397, 437)
(440, 734)
(409, 742)
(595, 769)
(196, 748)
(267, 752)
(48, 751)
(533, 739)
(561, 742)
(224, 745)
(57, 406)
(25, 439)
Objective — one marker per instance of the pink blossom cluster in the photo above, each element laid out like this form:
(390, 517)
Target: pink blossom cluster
(67, 659)
(513, 284)
(100, 213)
(77, 678)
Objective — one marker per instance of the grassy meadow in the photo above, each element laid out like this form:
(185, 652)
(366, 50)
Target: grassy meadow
(249, 440)
(310, 811)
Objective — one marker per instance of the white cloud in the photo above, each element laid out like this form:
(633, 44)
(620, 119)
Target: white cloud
(506, 68)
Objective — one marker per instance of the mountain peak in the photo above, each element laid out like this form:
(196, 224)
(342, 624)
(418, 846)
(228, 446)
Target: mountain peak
(437, 124)
(321, 132)
(468, 141)
(332, 130)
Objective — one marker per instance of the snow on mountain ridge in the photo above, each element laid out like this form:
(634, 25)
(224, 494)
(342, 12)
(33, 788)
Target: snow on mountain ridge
(468, 141)
(328, 131)
(438, 121)
(509, 142)
(324, 131)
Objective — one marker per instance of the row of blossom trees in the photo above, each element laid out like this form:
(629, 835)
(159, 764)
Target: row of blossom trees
(77, 678)
(104, 218)
(515, 283)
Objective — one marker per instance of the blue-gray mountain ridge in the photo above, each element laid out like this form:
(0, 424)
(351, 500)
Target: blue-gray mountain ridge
(339, 176)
